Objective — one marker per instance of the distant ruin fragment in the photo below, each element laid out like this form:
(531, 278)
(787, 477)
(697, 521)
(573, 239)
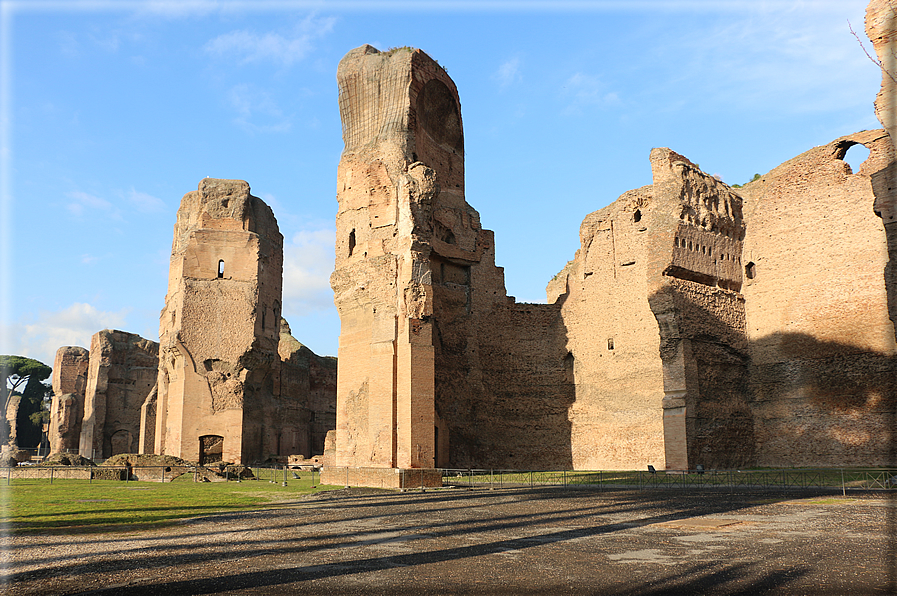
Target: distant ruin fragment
(122, 371)
(224, 393)
(67, 408)
(97, 394)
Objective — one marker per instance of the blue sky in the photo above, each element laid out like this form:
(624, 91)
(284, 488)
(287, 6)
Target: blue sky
(112, 111)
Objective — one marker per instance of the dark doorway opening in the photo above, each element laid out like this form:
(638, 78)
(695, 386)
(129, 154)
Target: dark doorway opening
(211, 449)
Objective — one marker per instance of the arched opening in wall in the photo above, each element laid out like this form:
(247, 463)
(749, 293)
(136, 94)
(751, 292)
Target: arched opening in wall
(855, 156)
(120, 442)
(637, 216)
(351, 242)
(750, 270)
(221, 269)
(569, 363)
(610, 343)
(211, 448)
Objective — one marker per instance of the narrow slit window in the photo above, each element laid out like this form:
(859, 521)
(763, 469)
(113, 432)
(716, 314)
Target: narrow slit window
(221, 269)
(351, 242)
(610, 343)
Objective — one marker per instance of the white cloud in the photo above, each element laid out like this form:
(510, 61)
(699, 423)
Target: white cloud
(82, 202)
(146, 203)
(108, 43)
(585, 90)
(307, 265)
(249, 46)
(68, 44)
(508, 73)
(71, 326)
(254, 105)
(791, 58)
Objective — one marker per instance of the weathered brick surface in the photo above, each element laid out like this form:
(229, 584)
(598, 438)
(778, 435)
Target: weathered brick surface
(67, 407)
(234, 385)
(696, 324)
(822, 345)
(121, 373)
(437, 368)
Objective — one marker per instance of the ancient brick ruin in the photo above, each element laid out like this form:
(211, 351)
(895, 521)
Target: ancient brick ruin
(224, 393)
(98, 394)
(67, 409)
(697, 324)
(227, 382)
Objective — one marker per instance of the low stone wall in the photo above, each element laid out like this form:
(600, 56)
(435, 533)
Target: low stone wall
(382, 477)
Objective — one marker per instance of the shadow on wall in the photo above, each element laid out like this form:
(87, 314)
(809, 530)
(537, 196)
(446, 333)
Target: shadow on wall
(783, 400)
(514, 412)
(884, 188)
(822, 403)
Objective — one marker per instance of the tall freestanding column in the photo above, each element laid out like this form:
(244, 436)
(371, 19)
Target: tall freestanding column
(403, 161)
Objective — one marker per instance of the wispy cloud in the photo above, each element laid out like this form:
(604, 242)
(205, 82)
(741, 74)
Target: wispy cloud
(584, 90)
(307, 265)
(508, 73)
(257, 111)
(81, 203)
(145, 203)
(777, 57)
(72, 326)
(249, 46)
(109, 43)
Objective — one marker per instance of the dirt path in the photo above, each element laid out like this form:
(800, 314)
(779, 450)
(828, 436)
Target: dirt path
(550, 541)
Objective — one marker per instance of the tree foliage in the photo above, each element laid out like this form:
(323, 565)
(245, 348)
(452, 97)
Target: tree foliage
(23, 376)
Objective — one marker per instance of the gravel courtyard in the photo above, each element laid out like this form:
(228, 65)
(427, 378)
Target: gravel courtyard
(511, 541)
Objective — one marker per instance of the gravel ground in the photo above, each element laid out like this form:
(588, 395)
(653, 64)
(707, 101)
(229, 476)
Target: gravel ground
(518, 541)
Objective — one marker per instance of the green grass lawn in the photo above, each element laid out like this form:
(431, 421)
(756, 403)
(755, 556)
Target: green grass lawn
(73, 506)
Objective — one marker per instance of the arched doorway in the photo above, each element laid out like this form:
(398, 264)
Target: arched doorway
(211, 448)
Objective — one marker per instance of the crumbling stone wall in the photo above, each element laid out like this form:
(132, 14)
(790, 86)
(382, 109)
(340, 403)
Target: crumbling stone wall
(424, 379)
(503, 396)
(234, 385)
(694, 295)
(220, 328)
(695, 325)
(821, 341)
(121, 373)
(612, 344)
(308, 386)
(655, 325)
(881, 27)
(67, 407)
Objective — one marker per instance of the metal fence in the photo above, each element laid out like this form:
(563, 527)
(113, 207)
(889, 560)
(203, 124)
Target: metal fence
(844, 480)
